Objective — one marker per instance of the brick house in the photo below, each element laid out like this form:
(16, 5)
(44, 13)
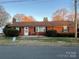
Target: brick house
(39, 28)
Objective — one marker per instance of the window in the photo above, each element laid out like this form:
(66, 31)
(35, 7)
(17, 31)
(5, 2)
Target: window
(18, 20)
(17, 28)
(40, 29)
(65, 29)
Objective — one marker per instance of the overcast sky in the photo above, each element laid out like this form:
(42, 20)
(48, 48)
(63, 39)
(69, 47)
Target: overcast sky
(36, 8)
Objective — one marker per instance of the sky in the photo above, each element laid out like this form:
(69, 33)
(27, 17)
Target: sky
(36, 8)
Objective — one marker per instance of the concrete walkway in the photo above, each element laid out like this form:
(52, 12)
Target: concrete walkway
(34, 37)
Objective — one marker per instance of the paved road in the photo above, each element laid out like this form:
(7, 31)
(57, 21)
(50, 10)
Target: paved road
(39, 52)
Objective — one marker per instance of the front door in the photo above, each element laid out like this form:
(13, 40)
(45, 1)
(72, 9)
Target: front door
(26, 30)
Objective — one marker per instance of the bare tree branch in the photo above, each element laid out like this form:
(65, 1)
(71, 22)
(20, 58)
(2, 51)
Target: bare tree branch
(4, 16)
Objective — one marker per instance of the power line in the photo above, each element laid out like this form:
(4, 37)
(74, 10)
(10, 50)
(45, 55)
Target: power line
(17, 1)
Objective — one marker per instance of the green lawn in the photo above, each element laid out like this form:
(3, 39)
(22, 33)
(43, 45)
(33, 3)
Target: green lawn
(47, 40)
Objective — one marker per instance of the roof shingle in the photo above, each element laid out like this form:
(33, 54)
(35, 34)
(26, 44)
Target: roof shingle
(51, 23)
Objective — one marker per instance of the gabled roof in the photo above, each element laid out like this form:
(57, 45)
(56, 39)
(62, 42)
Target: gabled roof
(51, 23)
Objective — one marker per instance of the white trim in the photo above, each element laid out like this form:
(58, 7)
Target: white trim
(26, 30)
(65, 29)
(40, 29)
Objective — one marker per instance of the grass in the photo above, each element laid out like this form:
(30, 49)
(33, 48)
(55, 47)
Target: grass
(56, 39)
(7, 41)
(23, 41)
(51, 39)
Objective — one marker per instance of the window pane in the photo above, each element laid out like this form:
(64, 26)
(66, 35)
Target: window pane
(65, 29)
(40, 29)
(17, 28)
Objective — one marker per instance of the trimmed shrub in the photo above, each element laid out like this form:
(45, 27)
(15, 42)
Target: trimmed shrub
(51, 33)
(10, 32)
(65, 34)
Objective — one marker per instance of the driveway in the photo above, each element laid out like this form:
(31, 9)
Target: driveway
(39, 52)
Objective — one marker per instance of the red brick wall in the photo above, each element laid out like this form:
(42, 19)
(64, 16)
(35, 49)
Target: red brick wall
(40, 33)
(58, 28)
(21, 30)
(71, 29)
(31, 30)
(49, 27)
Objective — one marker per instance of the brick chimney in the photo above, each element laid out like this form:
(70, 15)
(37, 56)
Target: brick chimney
(14, 20)
(45, 19)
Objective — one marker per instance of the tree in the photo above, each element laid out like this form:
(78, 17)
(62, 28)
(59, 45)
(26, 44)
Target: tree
(64, 15)
(10, 31)
(23, 18)
(4, 16)
(28, 19)
(71, 16)
(60, 15)
(19, 17)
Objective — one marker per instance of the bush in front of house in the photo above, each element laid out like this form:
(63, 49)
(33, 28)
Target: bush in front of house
(51, 33)
(65, 34)
(10, 32)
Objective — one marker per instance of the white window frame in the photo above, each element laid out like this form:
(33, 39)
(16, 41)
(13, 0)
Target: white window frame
(18, 20)
(65, 28)
(17, 28)
(40, 29)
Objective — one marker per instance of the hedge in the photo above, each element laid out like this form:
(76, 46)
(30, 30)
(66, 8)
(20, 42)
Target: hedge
(10, 32)
(53, 33)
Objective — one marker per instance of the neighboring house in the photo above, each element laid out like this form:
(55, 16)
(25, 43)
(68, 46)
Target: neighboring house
(39, 28)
